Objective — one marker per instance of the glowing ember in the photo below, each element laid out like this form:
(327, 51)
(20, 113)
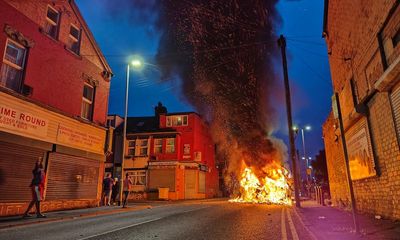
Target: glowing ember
(270, 190)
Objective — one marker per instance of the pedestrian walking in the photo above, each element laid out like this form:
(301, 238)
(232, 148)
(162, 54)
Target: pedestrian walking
(115, 191)
(37, 189)
(126, 189)
(108, 183)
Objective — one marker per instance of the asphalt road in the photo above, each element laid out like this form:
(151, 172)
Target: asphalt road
(193, 220)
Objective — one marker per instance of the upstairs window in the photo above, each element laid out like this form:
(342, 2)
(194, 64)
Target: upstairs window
(12, 68)
(87, 102)
(52, 23)
(177, 120)
(74, 39)
(143, 147)
(170, 147)
(131, 147)
(158, 145)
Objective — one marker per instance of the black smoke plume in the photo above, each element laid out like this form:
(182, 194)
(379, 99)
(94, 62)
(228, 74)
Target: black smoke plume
(223, 51)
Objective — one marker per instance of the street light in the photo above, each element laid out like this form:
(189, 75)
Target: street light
(137, 64)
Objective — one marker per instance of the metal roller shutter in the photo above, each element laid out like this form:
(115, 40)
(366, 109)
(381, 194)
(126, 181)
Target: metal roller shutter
(202, 182)
(16, 164)
(162, 178)
(71, 177)
(395, 99)
(190, 184)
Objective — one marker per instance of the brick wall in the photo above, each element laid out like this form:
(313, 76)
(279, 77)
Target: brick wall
(335, 163)
(353, 46)
(55, 73)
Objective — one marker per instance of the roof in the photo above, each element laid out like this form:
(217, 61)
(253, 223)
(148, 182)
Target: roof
(90, 36)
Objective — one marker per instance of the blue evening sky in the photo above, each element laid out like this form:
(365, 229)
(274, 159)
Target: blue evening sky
(124, 34)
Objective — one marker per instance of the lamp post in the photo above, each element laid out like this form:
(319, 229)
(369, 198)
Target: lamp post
(305, 158)
(137, 64)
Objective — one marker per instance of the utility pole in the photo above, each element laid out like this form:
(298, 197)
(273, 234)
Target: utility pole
(346, 159)
(282, 45)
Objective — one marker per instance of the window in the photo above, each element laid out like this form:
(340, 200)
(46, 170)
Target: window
(74, 39)
(138, 178)
(131, 147)
(87, 102)
(158, 145)
(52, 22)
(13, 65)
(178, 120)
(143, 146)
(170, 148)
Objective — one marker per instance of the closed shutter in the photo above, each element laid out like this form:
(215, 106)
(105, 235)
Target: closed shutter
(71, 177)
(162, 178)
(202, 182)
(16, 165)
(190, 184)
(395, 98)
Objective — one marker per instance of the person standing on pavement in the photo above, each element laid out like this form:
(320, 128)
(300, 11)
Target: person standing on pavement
(37, 188)
(108, 183)
(126, 189)
(115, 191)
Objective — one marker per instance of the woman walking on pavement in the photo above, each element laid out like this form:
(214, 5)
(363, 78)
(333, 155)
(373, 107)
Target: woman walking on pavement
(37, 188)
(126, 188)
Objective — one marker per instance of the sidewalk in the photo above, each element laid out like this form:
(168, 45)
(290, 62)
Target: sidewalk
(331, 223)
(14, 221)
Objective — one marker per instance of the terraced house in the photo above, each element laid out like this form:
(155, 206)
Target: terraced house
(54, 88)
(168, 155)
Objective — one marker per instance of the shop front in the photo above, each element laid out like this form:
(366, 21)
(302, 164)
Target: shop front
(73, 153)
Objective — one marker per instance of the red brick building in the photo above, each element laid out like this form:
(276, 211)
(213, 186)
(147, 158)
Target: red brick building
(169, 150)
(363, 40)
(54, 87)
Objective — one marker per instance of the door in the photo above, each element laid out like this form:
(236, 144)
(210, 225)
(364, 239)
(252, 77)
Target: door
(190, 184)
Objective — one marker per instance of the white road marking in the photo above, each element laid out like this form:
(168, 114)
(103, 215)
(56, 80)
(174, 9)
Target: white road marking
(121, 228)
(135, 224)
(292, 228)
(283, 225)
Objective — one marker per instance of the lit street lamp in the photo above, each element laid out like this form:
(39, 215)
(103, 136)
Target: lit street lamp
(305, 128)
(138, 65)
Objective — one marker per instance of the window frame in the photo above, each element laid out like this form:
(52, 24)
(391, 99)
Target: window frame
(168, 145)
(13, 65)
(158, 145)
(172, 121)
(50, 21)
(136, 174)
(141, 147)
(131, 147)
(88, 101)
(74, 40)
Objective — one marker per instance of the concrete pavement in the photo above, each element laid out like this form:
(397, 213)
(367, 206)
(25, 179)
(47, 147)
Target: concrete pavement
(329, 223)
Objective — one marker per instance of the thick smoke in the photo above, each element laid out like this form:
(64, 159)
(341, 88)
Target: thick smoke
(223, 51)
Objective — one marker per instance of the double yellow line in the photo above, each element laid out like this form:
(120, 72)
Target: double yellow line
(293, 231)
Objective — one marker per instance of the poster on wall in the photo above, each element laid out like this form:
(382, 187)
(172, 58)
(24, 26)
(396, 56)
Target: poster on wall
(361, 158)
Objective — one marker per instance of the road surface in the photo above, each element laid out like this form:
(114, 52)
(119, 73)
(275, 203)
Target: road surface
(216, 219)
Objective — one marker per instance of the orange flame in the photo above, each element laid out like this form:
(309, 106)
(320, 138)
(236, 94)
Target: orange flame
(270, 190)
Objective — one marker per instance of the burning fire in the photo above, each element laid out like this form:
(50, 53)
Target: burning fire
(271, 190)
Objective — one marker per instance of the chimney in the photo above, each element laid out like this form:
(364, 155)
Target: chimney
(158, 110)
